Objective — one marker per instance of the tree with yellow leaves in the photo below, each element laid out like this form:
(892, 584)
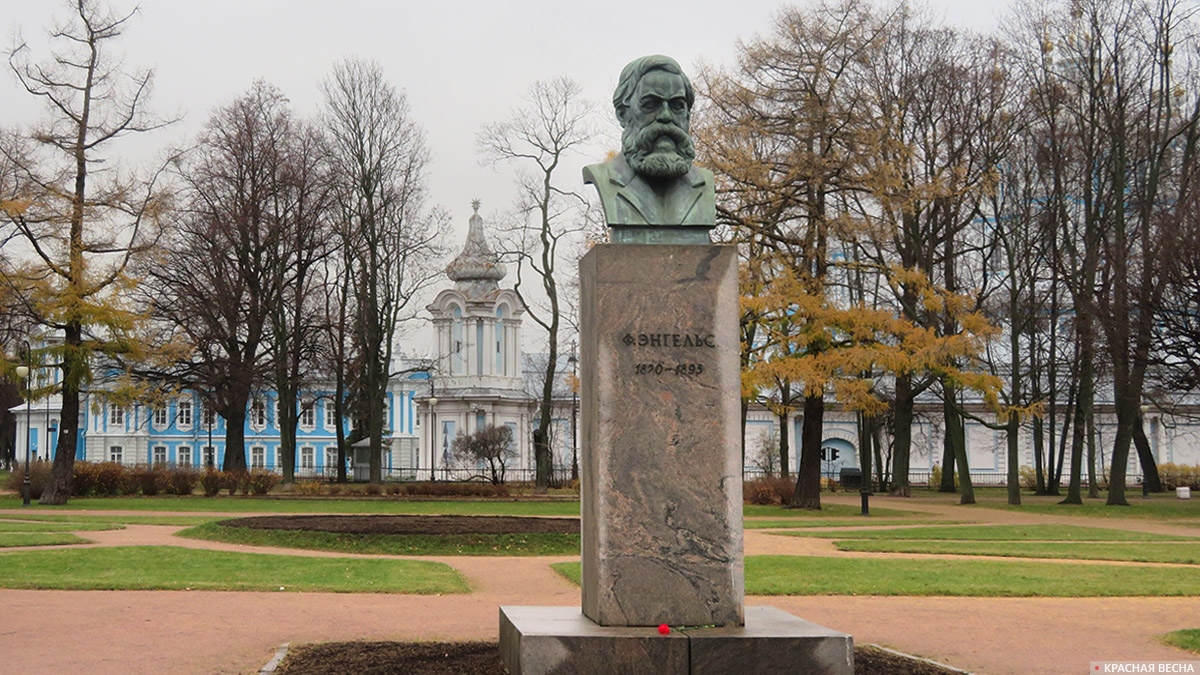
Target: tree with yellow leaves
(80, 221)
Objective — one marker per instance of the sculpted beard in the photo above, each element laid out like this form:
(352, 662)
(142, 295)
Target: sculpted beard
(639, 148)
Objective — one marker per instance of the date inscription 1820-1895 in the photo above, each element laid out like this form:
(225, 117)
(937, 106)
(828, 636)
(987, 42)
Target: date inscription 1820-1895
(673, 341)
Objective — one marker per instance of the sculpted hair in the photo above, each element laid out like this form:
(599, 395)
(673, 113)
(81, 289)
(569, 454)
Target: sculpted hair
(633, 73)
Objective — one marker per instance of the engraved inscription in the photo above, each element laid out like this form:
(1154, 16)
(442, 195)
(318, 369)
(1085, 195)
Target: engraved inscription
(693, 340)
(668, 369)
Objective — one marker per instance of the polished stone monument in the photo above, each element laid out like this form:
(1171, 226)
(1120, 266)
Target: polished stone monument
(661, 474)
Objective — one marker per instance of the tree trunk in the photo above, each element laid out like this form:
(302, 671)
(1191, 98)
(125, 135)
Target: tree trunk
(808, 475)
(1127, 414)
(784, 444)
(1083, 410)
(903, 436)
(957, 435)
(235, 438)
(58, 487)
(950, 445)
(1146, 457)
(1039, 451)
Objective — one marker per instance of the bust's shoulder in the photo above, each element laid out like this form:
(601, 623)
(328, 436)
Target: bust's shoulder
(699, 176)
(615, 170)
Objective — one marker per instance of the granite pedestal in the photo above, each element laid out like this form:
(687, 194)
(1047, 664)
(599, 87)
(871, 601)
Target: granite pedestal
(562, 641)
(661, 486)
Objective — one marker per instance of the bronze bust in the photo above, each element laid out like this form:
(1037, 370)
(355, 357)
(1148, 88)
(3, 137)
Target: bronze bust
(651, 192)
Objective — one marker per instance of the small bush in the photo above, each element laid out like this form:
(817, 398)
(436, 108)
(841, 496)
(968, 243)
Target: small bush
(212, 481)
(234, 480)
(260, 481)
(150, 481)
(373, 489)
(182, 480)
(455, 489)
(395, 489)
(307, 487)
(39, 474)
(768, 491)
(1028, 478)
(1175, 476)
(110, 479)
(83, 481)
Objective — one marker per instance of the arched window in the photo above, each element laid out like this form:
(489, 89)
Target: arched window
(458, 360)
(501, 313)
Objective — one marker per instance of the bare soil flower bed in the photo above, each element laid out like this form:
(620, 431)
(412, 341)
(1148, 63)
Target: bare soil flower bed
(411, 524)
(483, 658)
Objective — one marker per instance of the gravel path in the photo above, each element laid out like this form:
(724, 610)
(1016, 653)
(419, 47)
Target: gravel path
(213, 632)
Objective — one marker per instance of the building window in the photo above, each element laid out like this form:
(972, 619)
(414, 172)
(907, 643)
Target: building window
(159, 455)
(184, 419)
(183, 456)
(160, 417)
(258, 414)
(499, 329)
(116, 416)
(208, 416)
(308, 458)
(330, 461)
(308, 415)
(447, 440)
(210, 456)
(458, 360)
(331, 421)
(116, 454)
(258, 457)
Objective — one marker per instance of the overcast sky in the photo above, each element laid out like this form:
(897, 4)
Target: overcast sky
(462, 64)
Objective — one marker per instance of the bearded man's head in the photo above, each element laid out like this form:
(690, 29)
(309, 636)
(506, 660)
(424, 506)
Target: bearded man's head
(653, 102)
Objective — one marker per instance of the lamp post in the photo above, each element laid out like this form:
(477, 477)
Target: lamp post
(23, 372)
(432, 435)
(574, 361)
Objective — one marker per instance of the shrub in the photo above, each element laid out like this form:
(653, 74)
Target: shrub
(395, 489)
(768, 491)
(1178, 475)
(182, 480)
(259, 481)
(212, 481)
(373, 489)
(39, 473)
(83, 481)
(234, 480)
(110, 479)
(150, 481)
(1028, 478)
(307, 487)
(455, 489)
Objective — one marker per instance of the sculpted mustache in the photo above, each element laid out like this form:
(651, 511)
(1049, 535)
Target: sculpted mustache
(648, 136)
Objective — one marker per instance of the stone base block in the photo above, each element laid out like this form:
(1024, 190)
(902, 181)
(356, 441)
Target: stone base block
(562, 641)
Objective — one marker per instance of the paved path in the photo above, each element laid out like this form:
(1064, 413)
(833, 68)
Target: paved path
(211, 632)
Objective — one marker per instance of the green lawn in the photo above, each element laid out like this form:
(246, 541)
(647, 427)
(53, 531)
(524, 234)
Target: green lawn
(170, 568)
(1184, 639)
(1162, 506)
(803, 575)
(997, 533)
(511, 507)
(827, 511)
(17, 539)
(396, 544)
(31, 526)
(771, 523)
(78, 518)
(1179, 553)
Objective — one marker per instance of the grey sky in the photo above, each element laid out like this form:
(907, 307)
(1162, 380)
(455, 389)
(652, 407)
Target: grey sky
(462, 63)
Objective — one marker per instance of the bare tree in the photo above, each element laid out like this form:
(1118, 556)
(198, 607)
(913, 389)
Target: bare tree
(219, 283)
(554, 123)
(379, 160)
(81, 219)
(491, 445)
